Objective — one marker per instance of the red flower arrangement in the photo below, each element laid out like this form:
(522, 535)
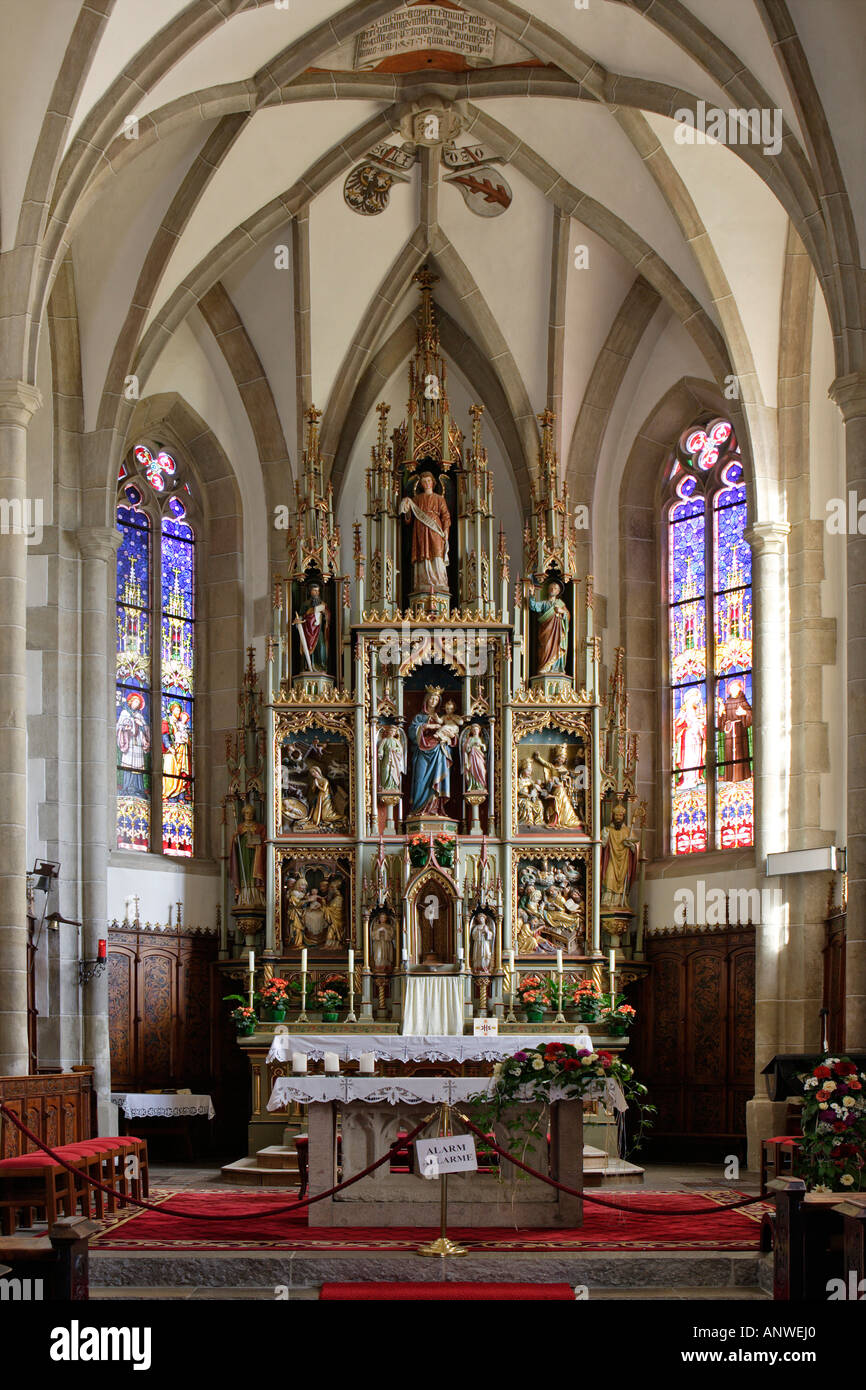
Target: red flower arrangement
(832, 1153)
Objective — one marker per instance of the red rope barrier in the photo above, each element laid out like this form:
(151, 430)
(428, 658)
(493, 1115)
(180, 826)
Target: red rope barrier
(600, 1201)
(399, 1143)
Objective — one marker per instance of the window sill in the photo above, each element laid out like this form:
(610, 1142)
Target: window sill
(696, 865)
(130, 859)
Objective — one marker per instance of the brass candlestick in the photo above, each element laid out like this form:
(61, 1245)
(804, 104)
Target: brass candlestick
(560, 1016)
(302, 1016)
(442, 1245)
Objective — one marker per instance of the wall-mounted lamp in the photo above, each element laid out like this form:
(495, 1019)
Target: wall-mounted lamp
(91, 969)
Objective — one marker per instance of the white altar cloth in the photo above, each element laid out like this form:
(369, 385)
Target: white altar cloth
(382, 1090)
(433, 1004)
(141, 1106)
(396, 1090)
(392, 1047)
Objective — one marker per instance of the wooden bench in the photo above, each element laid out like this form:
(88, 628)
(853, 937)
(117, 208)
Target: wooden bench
(34, 1182)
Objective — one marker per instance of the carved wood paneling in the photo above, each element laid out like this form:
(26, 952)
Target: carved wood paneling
(58, 1108)
(694, 1045)
(159, 1009)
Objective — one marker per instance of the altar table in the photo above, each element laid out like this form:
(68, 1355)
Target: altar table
(142, 1106)
(369, 1124)
(372, 1090)
(390, 1047)
(433, 1004)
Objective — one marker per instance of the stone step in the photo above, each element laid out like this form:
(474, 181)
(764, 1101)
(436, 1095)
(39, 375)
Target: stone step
(278, 1156)
(248, 1172)
(709, 1274)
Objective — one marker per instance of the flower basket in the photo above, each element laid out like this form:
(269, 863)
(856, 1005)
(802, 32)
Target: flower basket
(534, 1014)
(278, 1014)
(832, 1152)
(586, 997)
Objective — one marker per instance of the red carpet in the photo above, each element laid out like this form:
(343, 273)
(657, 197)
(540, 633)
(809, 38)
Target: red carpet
(454, 1293)
(603, 1229)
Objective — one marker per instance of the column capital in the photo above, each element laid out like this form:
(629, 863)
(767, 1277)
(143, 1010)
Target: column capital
(98, 542)
(19, 402)
(849, 393)
(767, 537)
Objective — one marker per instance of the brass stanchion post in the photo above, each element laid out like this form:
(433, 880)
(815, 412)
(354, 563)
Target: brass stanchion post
(442, 1245)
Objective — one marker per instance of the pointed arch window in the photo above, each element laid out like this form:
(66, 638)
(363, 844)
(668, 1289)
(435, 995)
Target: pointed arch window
(708, 592)
(155, 656)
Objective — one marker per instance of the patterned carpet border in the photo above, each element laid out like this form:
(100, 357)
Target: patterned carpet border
(120, 1232)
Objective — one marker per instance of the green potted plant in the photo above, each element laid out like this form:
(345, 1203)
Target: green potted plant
(243, 1017)
(616, 1016)
(329, 1002)
(530, 992)
(586, 998)
(274, 995)
(419, 850)
(443, 846)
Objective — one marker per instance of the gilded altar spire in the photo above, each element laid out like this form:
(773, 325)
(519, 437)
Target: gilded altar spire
(429, 431)
(313, 535)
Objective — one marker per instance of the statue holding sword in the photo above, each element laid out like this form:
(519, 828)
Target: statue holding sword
(314, 630)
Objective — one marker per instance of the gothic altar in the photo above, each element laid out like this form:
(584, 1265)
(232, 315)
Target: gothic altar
(431, 800)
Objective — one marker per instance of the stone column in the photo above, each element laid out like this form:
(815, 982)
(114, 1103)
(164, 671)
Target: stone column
(772, 756)
(849, 393)
(18, 402)
(97, 546)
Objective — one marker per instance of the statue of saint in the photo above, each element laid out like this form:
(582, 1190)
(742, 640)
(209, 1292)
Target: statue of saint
(314, 916)
(295, 892)
(734, 719)
(314, 630)
(247, 860)
(530, 807)
(392, 758)
(473, 752)
(431, 760)
(560, 788)
(324, 812)
(618, 860)
(335, 912)
(427, 513)
(481, 937)
(551, 642)
(382, 945)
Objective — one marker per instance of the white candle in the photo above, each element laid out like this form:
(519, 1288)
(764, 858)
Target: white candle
(303, 960)
(459, 952)
(367, 1063)
(612, 965)
(299, 1061)
(332, 1062)
(559, 962)
(252, 961)
(405, 954)
(351, 960)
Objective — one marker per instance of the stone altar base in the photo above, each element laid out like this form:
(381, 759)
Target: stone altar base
(474, 1199)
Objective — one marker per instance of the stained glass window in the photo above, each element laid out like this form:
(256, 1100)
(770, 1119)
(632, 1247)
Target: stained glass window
(133, 675)
(154, 703)
(709, 594)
